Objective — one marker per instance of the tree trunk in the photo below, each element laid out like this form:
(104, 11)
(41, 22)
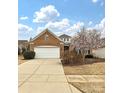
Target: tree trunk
(83, 55)
(83, 58)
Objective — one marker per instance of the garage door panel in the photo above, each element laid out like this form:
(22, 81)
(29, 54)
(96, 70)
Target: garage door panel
(47, 52)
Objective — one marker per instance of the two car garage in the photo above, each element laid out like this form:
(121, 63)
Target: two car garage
(47, 52)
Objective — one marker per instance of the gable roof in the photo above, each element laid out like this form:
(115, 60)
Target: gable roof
(44, 32)
(64, 35)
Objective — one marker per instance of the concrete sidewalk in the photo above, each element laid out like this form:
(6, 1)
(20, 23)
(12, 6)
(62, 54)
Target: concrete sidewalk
(43, 76)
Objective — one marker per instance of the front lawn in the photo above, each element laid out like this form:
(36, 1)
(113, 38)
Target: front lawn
(91, 68)
(92, 87)
(85, 69)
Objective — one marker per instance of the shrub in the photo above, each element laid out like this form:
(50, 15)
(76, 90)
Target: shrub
(29, 55)
(71, 57)
(89, 56)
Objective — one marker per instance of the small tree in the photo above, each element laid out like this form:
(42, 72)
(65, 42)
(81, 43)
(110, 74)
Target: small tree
(79, 42)
(86, 39)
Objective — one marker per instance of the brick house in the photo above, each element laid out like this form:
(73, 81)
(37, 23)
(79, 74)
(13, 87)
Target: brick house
(47, 45)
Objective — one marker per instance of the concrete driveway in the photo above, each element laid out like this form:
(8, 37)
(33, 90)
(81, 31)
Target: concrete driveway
(43, 76)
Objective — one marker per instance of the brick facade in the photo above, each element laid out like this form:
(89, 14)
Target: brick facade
(46, 38)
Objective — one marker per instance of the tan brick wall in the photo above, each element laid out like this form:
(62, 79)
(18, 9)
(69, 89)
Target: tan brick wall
(52, 41)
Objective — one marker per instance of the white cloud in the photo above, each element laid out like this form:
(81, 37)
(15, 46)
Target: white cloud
(94, 1)
(100, 27)
(24, 32)
(57, 26)
(90, 23)
(64, 26)
(75, 27)
(23, 18)
(72, 30)
(46, 14)
(24, 28)
(39, 29)
(61, 27)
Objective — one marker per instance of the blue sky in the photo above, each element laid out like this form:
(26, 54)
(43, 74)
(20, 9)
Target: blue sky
(60, 16)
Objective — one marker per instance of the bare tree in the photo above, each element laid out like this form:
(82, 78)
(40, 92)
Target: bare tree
(94, 39)
(86, 40)
(79, 42)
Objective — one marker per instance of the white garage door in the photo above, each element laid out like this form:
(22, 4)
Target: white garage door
(47, 52)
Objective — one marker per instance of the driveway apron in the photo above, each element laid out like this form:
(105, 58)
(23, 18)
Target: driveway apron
(43, 76)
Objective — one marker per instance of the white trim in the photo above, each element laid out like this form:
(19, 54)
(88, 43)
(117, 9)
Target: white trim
(46, 46)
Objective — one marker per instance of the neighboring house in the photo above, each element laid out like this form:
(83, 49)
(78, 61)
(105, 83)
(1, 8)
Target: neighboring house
(100, 52)
(22, 44)
(67, 40)
(47, 45)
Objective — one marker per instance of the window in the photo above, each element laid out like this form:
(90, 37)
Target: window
(46, 37)
(64, 39)
(67, 39)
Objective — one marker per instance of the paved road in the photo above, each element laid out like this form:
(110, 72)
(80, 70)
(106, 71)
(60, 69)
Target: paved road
(43, 76)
